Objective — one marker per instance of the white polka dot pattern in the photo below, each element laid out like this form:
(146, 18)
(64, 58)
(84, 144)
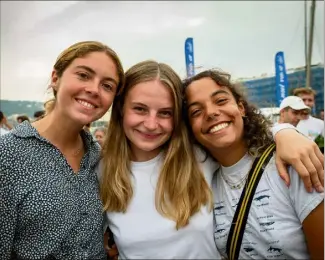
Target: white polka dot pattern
(47, 211)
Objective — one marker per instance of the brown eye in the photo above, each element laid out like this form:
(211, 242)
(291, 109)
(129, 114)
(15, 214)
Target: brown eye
(221, 101)
(139, 109)
(195, 112)
(83, 75)
(108, 87)
(166, 113)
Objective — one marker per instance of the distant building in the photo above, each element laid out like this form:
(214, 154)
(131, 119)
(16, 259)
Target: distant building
(262, 92)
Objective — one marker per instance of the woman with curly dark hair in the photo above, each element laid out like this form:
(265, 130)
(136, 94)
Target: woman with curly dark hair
(256, 215)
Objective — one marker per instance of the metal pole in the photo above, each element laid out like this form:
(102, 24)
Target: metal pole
(306, 36)
(310, 43)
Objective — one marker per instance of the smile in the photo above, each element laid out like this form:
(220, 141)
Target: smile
(218, 127)
(149, 136)
(85, 104)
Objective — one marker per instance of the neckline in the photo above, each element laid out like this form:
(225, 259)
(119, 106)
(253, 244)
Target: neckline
(147, 163)
(235, 175)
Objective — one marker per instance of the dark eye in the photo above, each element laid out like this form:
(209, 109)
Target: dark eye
(221, 101)
(83, 75)
(195, 113)
(139, 109)
(108, 87)
(166, 113)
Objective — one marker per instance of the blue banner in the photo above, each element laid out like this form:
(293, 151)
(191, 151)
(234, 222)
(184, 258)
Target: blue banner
(281, 79)
(189, 57)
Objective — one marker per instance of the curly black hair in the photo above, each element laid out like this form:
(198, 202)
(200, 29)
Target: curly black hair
(256, 127)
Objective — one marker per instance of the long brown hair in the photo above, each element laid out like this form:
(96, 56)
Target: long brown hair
(257, 132)
(181, 188)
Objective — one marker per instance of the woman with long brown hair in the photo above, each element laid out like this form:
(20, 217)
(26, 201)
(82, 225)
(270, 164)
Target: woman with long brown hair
(50, 206)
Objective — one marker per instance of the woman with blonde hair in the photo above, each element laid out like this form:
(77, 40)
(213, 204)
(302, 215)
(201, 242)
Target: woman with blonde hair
(157, 197)
(50, 205)
(256, 215)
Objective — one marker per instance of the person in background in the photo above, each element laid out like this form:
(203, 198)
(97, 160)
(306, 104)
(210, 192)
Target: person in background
(99, 135)
(309, 125)
(5, 127)
(39, 114)
(22, 118)
(283, 222)
(321, 114)
(291, 109)
(50, 204)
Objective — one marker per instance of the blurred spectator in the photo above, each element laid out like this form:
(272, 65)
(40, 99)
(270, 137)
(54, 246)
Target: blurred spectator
(4, 125)
(291, 109)
(321, 114)
(22, 118)
(39, 114)
(309, 125)
(100, 135)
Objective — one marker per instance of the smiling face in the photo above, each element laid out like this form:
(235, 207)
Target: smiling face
(214, 115)
(148, 118)
(86, 89)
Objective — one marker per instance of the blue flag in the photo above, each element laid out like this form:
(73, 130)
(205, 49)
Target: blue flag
(281, 79)
(189, 57)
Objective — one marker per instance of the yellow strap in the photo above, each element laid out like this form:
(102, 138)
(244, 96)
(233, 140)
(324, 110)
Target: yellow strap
(245, 200)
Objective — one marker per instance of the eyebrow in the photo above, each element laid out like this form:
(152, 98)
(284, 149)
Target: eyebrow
(141, 104)
(90, 70)
(211, 96)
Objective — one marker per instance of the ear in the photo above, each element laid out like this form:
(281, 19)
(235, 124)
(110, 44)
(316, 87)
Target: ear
(242, 109)
(54, 80)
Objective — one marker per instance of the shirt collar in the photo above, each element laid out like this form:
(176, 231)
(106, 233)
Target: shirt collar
(26, 130)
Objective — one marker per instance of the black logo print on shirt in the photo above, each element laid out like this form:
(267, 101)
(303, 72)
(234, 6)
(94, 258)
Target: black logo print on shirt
(259, 198)
(274, 249)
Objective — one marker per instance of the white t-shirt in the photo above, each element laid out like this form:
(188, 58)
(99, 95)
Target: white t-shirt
(142, 233)
(311, 127)
(274, 225)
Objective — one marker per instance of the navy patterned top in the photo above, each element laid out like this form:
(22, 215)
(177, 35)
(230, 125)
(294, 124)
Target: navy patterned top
(46, 210)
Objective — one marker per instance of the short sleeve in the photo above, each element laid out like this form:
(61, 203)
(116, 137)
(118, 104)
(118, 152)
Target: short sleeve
(278, 127)
(303, 201)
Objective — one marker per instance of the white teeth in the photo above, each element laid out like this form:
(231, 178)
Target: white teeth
(218, 127)
(85, 104)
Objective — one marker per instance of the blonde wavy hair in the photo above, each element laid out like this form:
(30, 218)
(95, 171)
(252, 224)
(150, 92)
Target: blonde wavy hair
(181, 189)
(80, 50)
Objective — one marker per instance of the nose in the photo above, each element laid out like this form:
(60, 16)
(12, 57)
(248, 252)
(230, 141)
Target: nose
(92, 88)
(150, 122)
(211, 112)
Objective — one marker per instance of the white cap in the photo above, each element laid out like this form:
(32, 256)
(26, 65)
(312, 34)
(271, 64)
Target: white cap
(294, 102)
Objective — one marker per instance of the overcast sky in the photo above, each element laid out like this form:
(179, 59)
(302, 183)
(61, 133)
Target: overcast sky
(239, 37)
